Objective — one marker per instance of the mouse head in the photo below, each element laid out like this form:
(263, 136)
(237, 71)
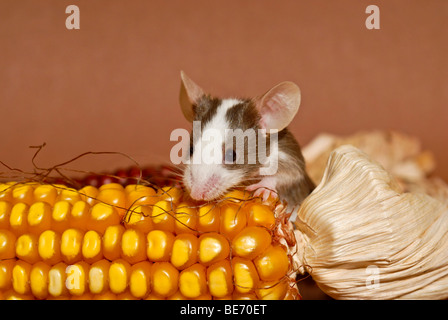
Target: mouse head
(224, 146)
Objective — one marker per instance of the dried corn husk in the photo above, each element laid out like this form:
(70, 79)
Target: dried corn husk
(360, 237)
(400, 154)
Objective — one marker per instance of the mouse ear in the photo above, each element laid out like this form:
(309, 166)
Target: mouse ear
(190, 93)
(279, 105)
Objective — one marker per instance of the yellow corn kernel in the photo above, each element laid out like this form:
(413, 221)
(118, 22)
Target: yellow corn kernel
(68, 194)
(112, 242)
(244, 296)
(23, 193)
(7, 244)
(58, 298)
(103, 216)
(245, 275)
(60, 187)
(186, 219)
(140, 195)
(112, 185)
(233, 220)
(126, 296)
(26, 248)
(205, 296)
(162, 216)
(208, 218)
(12, 295)
(39, 217)
(46, 193)
(92, 247)
(164, 279)
(71, 242)
(39, 280)
(77, 275)
(98, 277)
(79, 215)
(139, 218)
(61, 216)
(133, 246)
(6, 267)
(213, 247)
(272, 264)
(140, 279)
(153, 296)
(193, 281)
(237, 195)
(84, 296)
(21, 277)
(171, 194)
(228, 297)
(105, 296)
(176, 296)
(185, 250)
(6, 192)
(159, 245)
(272, 290)
(119, 272)
(2, 295)
(18, 218)
(5, 210)
(57, 280)
(260, 215)
(219, 278)
(49, 247)
(250, 242)
(89, 194)
(114, 197)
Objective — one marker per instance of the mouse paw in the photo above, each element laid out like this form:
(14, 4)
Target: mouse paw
(263, 190)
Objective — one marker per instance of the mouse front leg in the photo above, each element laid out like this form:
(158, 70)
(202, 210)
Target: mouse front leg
(265, 188)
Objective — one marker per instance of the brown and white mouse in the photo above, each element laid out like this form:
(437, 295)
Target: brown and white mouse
(268, 117)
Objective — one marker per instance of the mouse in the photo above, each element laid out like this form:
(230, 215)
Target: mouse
(280, 172)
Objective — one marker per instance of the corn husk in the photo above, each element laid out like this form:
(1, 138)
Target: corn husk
(360, 237)
(400, 154)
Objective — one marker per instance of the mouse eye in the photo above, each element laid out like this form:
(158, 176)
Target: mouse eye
(230, 156)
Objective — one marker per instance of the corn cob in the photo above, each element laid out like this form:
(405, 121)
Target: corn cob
(138, 242)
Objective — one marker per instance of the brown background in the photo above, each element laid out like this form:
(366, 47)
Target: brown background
(113, 85)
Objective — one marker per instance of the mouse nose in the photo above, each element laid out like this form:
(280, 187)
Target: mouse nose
(201, 190)
(198, 193)
(212, 181)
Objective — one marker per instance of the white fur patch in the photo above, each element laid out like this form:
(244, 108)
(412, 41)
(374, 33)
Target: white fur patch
(208, 156)
(219, 122)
